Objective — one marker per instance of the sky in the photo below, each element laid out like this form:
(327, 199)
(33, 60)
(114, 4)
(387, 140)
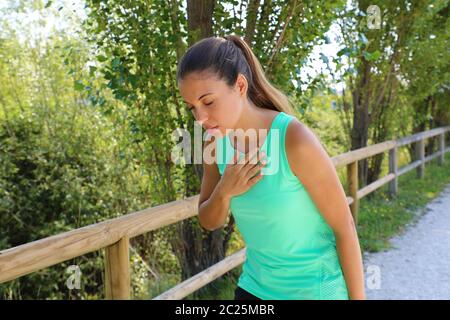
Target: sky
(62, 15)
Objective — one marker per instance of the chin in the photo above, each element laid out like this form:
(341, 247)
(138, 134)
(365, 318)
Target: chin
(216, 133)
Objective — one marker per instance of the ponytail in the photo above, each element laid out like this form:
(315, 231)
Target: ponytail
(261, 92)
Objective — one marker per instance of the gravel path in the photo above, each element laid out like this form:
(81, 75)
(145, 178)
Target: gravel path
(418, 265)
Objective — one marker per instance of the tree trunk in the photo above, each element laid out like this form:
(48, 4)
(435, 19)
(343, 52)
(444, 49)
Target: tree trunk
(195, 248)
(420, 124)
(200, 14)
(252, 12)
(359, 132)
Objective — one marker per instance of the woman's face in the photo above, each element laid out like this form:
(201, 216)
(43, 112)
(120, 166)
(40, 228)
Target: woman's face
(212, 102)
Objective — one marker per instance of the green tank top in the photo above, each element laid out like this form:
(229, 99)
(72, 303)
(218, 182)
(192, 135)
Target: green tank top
(290, 249)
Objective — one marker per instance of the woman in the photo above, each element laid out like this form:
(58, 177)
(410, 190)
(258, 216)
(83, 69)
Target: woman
(301, 242)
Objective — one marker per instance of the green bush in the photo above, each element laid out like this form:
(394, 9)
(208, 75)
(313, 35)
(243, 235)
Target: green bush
(55, 179)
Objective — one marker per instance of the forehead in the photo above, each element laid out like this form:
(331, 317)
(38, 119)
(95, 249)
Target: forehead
(195, 84)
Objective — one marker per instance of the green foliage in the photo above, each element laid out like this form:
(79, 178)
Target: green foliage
(327, 125)
(137, 54)
(307, 25)
(52, 183)
(63, 165)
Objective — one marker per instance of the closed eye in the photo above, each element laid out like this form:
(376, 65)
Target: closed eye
(206, 104)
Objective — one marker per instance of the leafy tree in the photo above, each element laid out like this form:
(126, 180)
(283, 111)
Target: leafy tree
(140, 44)
(62, 163)
(373, 62)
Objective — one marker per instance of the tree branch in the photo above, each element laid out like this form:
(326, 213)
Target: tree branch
(281, 37)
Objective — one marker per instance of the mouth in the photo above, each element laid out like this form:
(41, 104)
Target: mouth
(212, 129)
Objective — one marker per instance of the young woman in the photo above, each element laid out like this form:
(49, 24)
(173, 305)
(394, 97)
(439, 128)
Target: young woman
(301, 242)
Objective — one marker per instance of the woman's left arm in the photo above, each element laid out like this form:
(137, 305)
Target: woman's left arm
(310, 162)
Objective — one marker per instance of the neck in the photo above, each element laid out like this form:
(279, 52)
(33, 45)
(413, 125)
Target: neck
(252, 127)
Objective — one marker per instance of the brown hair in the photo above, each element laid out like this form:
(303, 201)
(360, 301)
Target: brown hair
(227, 57)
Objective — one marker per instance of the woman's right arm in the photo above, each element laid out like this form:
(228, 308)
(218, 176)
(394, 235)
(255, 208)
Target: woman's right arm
(216, 191)
(213, 202)
(213, 212)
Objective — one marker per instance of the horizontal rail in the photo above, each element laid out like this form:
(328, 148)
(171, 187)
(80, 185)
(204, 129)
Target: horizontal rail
(363, 153)
(201, 279)
(375, 185)
(408, 167)
(349, 200)
(39, 254)
(421, 135)
(432, 156)
(369, 151)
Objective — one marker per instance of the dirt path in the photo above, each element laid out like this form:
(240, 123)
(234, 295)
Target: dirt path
(418, 265)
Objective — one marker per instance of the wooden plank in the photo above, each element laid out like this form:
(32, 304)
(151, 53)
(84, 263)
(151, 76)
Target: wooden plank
(375, 185)
(408, 167)
(203, 278)
(359, 154)
(420, 136)
(36, 255)
(349, 200)
(117, 270)
(432, 156)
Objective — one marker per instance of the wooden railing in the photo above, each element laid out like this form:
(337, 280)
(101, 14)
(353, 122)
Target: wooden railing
(114, 235)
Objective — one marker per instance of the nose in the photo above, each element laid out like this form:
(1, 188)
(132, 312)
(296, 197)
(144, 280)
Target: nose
(202, 117)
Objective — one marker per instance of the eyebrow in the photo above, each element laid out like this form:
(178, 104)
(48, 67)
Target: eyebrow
(200, 96)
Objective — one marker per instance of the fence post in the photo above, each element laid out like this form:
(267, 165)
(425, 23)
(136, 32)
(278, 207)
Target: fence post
(420, 154)
(441, 158)
(352, 179)
(393, 184)
(117, 270)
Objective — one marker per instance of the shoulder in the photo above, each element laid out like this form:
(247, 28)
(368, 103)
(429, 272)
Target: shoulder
(299, 135)
(303, 147)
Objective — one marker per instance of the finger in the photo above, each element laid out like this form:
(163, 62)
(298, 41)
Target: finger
(255, 179)
(238, 158)
(260, 156)
(255, 169)
(234, 159)
(242, 160)
(250, 157)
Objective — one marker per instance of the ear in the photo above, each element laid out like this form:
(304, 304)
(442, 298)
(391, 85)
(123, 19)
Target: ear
(242, 84)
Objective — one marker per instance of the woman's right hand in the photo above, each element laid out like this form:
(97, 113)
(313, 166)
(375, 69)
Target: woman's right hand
(240, 176)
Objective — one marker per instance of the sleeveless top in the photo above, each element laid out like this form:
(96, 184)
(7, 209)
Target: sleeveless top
(290, 249)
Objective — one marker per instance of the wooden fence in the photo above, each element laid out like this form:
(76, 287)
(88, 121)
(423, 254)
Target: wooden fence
(114, 235)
